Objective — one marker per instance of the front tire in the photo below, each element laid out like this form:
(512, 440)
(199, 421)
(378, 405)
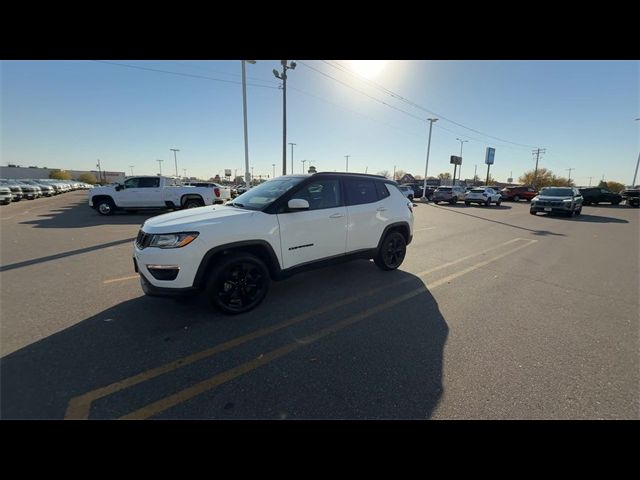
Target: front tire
(238, 283)
(105, 207)
(488, 203)
(391, 252)
(516, 198)
(532, 212)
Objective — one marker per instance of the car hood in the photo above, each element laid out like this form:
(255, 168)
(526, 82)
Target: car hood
(549, 197)
(192, 218)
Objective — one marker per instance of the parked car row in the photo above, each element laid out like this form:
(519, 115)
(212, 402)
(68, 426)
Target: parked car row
(14, 190)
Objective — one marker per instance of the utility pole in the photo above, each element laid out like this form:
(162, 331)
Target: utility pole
(475, 176)
(303, 162)
(175, 158)
(185, 172)
(537, 152)
(426, 167)
(131, 167)
(244, 114)
(347, 157)
(569, 180)
(292, 144)
(460, 173)
(99, 171)
(283, 76)
(635, 174)
(160, 165)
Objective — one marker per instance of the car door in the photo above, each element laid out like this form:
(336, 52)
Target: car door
(319, 232)
(369, 212)
(127, 196)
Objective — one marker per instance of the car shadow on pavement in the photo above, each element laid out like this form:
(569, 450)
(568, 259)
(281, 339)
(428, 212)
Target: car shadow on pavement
(80, 215)
(374, 356)
(585, 218)
(533, 231)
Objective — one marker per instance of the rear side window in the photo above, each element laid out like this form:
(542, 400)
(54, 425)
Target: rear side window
(147, 182)
(383, 191)
(359, 192)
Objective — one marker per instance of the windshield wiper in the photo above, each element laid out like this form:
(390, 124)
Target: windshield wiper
(236, 204)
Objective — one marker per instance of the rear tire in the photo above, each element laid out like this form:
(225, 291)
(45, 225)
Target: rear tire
(238, 283)
(516, 198)
(532, 212)
(391, 252)
(192, 203)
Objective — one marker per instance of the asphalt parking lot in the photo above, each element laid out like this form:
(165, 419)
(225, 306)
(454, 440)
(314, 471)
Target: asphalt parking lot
(495, 314)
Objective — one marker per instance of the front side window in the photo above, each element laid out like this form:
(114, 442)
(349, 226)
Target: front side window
(131, 183)
(360, 192)
(320, 194)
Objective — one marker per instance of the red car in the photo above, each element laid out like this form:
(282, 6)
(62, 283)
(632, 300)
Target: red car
(519, 192)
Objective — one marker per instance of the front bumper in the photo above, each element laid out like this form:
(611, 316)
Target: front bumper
(551, 209)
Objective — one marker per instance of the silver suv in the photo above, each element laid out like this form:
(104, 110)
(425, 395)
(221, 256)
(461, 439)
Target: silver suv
(448, 194)
(565, 200)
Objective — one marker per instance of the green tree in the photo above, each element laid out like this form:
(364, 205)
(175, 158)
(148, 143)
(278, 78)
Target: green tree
(88, 178)
(614, 186)
(59, 174)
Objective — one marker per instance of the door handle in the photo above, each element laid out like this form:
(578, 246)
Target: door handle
(381, 209)
(336, 215)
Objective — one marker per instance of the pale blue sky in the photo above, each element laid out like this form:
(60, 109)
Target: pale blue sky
(67, 114)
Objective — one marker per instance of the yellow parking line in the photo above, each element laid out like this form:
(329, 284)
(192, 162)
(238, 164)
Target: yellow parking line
(209, 384)
(79, 406)
(122, 279)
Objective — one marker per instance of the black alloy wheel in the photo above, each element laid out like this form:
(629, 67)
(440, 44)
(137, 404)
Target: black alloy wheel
(392, 251)
(239, 283)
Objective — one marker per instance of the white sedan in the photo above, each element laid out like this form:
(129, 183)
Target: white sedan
(482, 195)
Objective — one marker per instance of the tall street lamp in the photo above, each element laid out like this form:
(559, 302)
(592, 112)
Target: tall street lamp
(426, 167)
(244, 112)
(175, 158)
(160, 165)
(633, 184)
(460, 172)
(131, 167)
(303, 162)
(274, 170)
(292, 144)
(283, 76)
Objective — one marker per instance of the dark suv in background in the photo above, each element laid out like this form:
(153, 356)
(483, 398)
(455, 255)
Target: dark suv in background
(597, 195)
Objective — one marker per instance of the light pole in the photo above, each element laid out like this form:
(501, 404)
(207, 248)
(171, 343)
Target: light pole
(292, 144)
(283, 76)
(131, 167)
(347, 157)
(244, 113)
(274, 170)
(184, 170)
(99, 170)
(460, 172)
(175, 158)
(160, 165)
(426, 167)
(303, 162)
(635, 174)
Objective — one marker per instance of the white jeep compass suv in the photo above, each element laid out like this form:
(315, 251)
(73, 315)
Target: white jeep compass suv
(281, 227)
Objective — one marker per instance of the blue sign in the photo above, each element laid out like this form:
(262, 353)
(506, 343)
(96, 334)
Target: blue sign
(488, 159)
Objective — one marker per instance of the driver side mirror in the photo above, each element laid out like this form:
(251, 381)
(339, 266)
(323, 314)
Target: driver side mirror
(298, 204)
(119, 187)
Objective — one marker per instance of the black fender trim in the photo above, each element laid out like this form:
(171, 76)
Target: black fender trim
(273, 264)
(394, 226)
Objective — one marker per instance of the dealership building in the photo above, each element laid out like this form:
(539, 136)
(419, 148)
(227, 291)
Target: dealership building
(16, 171)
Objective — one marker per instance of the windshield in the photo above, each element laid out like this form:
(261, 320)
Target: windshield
(477, 190)
(557, 192)
(444, 189)
(266, 193)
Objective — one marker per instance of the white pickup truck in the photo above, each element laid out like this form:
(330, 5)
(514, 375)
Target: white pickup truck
(142, 192)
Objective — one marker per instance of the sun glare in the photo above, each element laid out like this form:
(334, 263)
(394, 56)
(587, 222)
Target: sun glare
(368, 68)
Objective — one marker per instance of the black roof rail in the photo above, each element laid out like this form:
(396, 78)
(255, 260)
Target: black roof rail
(355, 174)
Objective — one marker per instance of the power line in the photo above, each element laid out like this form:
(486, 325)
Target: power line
(179, 73)
(413, 104)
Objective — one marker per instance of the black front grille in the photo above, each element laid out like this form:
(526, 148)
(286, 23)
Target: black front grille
(550, 203)
(143, 240)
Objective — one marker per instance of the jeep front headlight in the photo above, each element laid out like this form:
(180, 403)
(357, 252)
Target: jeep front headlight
(172, 240)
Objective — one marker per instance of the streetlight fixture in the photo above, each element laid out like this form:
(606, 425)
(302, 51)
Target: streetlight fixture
(274, 170)
(244, 112)
(426, 167)
(303, 162)
(160, 165)
(175, 158)
(283, 76)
